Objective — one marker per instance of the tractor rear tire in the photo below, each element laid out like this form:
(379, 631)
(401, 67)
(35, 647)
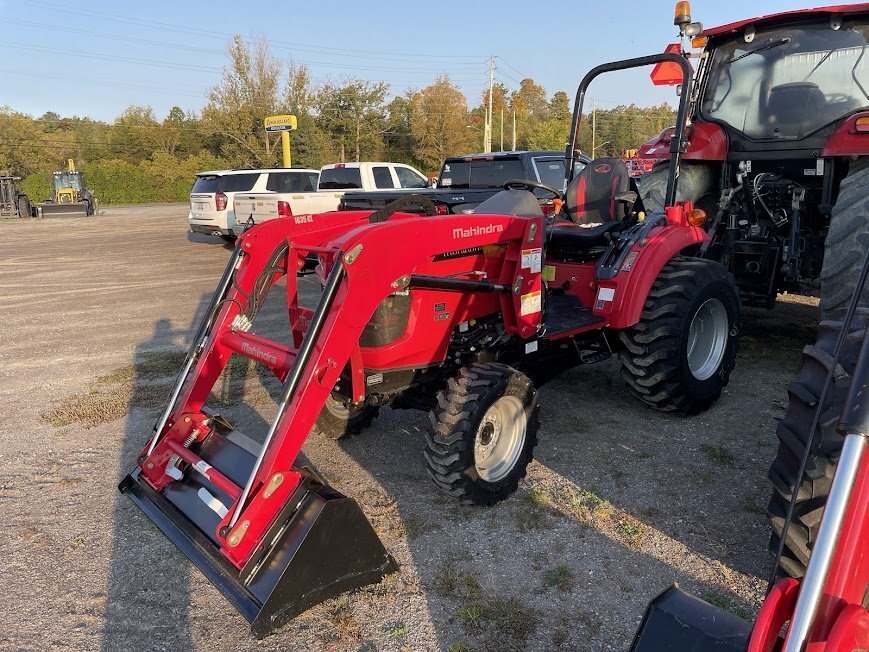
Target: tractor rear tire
(679, 356)
(696, 184)
(337, 421)
(24, 207)
(794, 434)
(846, 242)
(483, 433)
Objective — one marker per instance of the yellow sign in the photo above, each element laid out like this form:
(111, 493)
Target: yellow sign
(280, 123)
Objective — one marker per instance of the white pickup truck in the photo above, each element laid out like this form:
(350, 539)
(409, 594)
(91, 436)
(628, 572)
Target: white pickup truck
(335, 180)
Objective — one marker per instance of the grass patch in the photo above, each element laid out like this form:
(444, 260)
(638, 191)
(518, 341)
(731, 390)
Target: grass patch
(727, 603)
(146, 384)
(101, 405)
(503, 623)
(718, 454)
(153, 364)
(559, 577)
(631, 531)
(534, 511)
(415, 526)
(397, 631)
(500, 623)
(590, 502)
(450, 581)
(340, 614)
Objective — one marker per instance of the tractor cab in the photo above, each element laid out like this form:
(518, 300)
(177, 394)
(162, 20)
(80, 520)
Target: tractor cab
(66, 186)
(785, 82)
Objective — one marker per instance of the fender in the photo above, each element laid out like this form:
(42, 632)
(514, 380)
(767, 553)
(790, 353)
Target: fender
(707, 142)
(847, 140)
(629, 288)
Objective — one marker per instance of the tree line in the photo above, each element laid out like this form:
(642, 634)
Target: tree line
(140, 158)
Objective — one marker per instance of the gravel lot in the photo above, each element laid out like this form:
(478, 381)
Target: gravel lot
(620, 502)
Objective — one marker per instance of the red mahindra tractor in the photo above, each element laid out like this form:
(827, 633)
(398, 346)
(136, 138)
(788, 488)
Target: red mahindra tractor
(460, 314)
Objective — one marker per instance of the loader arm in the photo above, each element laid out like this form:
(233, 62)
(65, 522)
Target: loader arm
(241, 503)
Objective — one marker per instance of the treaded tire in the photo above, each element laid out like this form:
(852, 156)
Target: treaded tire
(793, 435)
(846, 242)
(696, 184)
(24, 208)
(655, 362)
(450, 444)
(337, 423)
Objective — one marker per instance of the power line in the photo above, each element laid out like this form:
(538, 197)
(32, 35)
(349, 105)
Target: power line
(64, 9)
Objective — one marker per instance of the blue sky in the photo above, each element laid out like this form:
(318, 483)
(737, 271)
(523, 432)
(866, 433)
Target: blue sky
(96, 58)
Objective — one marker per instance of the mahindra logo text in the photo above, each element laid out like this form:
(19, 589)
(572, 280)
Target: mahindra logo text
(259, 354)
(459, 232)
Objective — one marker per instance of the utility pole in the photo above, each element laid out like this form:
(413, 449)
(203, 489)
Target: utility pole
(514, 130)
(502, 128)
(593, 125)
(489, 112)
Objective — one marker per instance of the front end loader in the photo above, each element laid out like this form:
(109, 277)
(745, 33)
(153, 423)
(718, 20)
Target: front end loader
(69, 196)
(462, 315)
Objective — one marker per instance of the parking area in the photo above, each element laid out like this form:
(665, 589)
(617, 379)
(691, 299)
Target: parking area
(619, 503)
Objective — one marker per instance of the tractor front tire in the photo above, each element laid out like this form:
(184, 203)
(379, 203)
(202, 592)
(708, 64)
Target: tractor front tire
(337, 420)
(696, 184)
(846, 242)
(483, 433)
(679, 356)
(794, 434)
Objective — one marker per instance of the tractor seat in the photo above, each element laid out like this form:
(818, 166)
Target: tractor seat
(793, 107)
(565, 240)
(595, 196)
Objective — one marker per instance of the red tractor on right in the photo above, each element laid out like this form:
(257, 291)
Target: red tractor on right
(776, 147)
(777, 152)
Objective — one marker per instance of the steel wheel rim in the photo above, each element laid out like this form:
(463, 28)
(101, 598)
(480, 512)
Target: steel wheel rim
(500, 439)
(337, 408)
(707, 339)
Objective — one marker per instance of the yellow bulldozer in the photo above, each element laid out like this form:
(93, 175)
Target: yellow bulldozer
(69, 196)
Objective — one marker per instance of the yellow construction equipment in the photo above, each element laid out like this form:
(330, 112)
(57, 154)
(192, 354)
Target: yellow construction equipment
(68, 194)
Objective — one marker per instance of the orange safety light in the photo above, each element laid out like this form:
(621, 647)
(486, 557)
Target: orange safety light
(861, 125)
(696, 217)
(683, 13)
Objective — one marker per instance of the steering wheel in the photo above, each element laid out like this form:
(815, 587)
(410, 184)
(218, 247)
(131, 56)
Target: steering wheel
(416, 201)
(838, 98)
(525, 184)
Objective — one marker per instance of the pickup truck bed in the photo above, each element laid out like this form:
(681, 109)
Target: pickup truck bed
(465, 181)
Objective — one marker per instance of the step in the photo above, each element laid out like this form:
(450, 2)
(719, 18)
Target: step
(565, 316)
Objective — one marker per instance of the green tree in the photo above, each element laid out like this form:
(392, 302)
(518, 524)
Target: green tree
(354, 115)
(247, 93)
(439, 121)
(310, 144)
(400, 142)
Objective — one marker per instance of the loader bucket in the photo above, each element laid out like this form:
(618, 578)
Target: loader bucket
(75, 209)
(678, 622)
(319, 546)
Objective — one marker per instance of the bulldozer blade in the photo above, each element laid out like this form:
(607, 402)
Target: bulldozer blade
(70, 210)
(678, 622)
(321, 544)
